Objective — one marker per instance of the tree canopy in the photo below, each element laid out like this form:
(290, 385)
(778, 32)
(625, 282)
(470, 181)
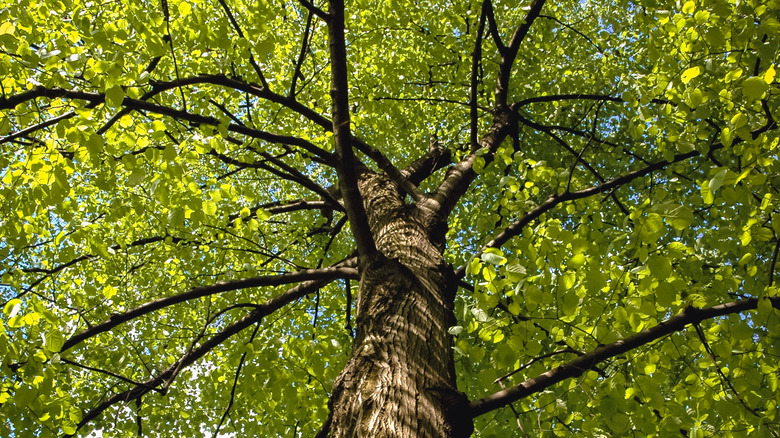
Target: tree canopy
(182, 222)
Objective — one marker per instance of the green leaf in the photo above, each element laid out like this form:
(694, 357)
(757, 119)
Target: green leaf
(754, 87)
(209, 208)
(7, 28)
(594, 281)
(652, 228)
(717, 181)
(665, 294)
(12, 307)
(690, 73)
(733, 75)
(95, 145)
(184, 8)
(474, 266)
(54, 341)
(660, 266)
(480, 315)
(114, 96)
(680, 216)
(516, 271)
(693, 97)
(769, 75)
(494, 258)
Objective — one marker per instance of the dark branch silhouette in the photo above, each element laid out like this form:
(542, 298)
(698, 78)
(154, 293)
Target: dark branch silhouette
(576, 367)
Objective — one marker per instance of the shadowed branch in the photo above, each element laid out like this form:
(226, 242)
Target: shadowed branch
(165, 377)
(319, 275)
(587, 361)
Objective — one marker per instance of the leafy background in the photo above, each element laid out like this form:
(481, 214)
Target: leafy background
(96, 221)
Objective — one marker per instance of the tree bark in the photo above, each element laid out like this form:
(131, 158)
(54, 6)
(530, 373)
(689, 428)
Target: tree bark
(400, 381)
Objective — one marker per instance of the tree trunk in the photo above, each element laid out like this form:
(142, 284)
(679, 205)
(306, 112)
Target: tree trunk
(400, 381)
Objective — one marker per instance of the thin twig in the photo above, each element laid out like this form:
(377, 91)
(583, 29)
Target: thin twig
(167, 16)
(301, 55)
(235, 384)
(725, 379)
(237, 28)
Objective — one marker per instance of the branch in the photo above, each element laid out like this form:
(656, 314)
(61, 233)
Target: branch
(319, 275)
(253, 89)
(100, 370)
(301, 56)
(345, 157)
(273, 208)
(387, 166)
(773, 263)
(493, 27)
(558, 198)
(141, 105)
(37, 127)
(476, 60)
(235, 384)
(508, 56)
(724, 379)
(578, 366)
(288, 173)
(241, 34)
(576, 96)
(571, 28)
(279, 207)
(425, 99)
(437, 158)
(460, 176)
(315, 10)
(49, 272)
(165, 377)
(577, 157)
(300, 178)
(167, 15)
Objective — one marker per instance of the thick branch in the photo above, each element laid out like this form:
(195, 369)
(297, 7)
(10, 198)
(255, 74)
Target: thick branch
(437, 158)
(315, 10)
(492, 26)
(339, 92)
(587, 361)
(509, 55)
(319, 275)
(253, 89)
(141, 105)
(460, 176)
(165, 377)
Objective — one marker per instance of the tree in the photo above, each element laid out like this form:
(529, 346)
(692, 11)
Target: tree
(555, 218)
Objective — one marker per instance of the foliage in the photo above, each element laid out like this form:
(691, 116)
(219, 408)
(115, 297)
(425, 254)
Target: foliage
(170, 150)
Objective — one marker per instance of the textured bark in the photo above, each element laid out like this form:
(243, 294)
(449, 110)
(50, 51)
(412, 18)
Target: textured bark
(400, 381)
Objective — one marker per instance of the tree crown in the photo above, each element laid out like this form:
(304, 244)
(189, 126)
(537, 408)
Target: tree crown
(181, 225)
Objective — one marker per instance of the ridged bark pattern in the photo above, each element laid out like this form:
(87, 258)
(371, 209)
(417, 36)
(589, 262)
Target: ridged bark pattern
(400, 381)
